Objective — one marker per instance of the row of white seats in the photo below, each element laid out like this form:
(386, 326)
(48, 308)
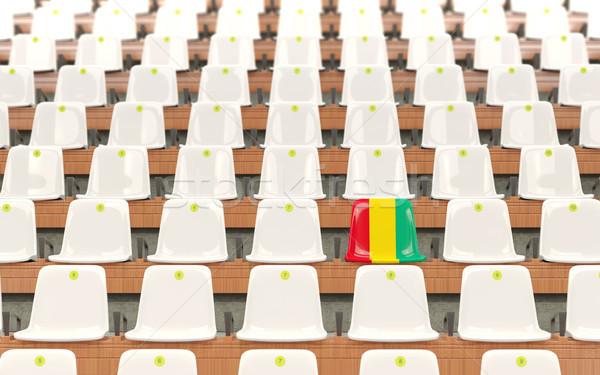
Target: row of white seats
(374, 172)
(279, 361)
(283, 305)
(469, 224)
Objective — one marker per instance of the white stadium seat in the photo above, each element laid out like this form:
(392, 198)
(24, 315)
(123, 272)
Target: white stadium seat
(439, 83)
(520, 361)
(216, 124)
(176, 305)
(422, 19)
(577, 217)
(449, 124)
(232, 50)
(296, 84)
(153, 84)
(283, 305)
(528, 124)
(491, 50)
(111, 21)
(233, 20)
(18, 229)
(388, 361)
(277, 362)
(370, 50)
(559, 51)
(489, 19)
(157, 362)
(583, 306)
(548, 172)
(198, 7)
(224, 84)
(131, 7)
(58, 24)
(18, 7)
(137, 124)
(60, 124)
(287, 231)
(84, 219)
(35, 52)
(4, 126)
(166, 50)
(429, 49)
(291, 123)
(589, 135)
(576, 84)
(390, 305)
(371, 124)
(298, 50)
(361, 21)
(507, 83)
(38, 361)
(17, 86)
(546, 20)
(364, 83)
(299, 21)
(102, 51)
(463, 172)
(205, 172)
(182, 222)
(75, 6)
(290, 173)
(76, 295)
(497, 305)
(479, 231)
(377, 172)
(85, 84)
(34, 173)
(119, 172)
(174, 21)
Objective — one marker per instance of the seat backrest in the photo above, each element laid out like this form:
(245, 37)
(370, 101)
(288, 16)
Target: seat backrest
(18, 230)
(299, 20)
(579, 218)
(559, 51)
(216, 124)
(181, 223)
(205, 172)
(59, 124)
(344, 6)
(298, 50)
(521, 361)
(439, 83)
(542, 21)
(371, 124)
(166, 50)
(294, 124)
(119, 172)
(367, 84)
(377, 172)
(583, 305)
(523, 6)
(383, 231)
(508, 83)
(283, 298)
(70, 298)
(256, 6)
(137, 124)
(308, 5)
(390, 298)
(582, 6)
(16, 86)
(495, 298)
(291, 172)
(36, 52)
(85, 84)
(103, 51)
(296, 84)
(368, 50)
(153, 84)
(198, 7)
(132, 7)
(278, 361)
(589, 135)
(468, 6)
(232, 50)
(88, 216)
(220, 83)
(177, 298)
(576, 84)
(449, 124)
(7, 24)
(4, 126)
(593, 30)
(549, 172)
(287, 230)
(18, 7)
(478, 229)
(158, 362)
(238, 20)
(527, 124)
(488, 19)
(463, 172)
(34, 173)
(491, 50)
(75, 6)
(41, 361)
(422, 19)
(429, 49)
(58, 24)
(387, 361)
(175, 21)
(361, 21)
(111, 20)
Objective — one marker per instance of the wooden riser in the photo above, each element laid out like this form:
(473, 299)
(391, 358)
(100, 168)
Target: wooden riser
(334, 277)
(335, 355)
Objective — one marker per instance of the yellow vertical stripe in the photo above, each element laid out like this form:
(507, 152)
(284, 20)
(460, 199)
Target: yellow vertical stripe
(382, 230)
